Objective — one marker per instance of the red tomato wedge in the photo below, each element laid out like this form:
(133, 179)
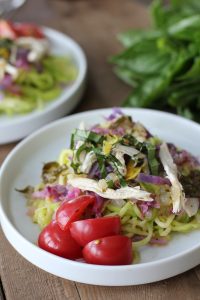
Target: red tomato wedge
(72, 210)
(111, 250)
(59, 242)
(85, 231)
(27, 30)
(6, 30)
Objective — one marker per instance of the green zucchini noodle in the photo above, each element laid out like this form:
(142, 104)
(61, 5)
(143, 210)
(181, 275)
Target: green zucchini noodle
(155, 226)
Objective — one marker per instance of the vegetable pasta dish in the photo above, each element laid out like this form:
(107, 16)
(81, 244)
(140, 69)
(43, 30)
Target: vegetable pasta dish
(116, 189)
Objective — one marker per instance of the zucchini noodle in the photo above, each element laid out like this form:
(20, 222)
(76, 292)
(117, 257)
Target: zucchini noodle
(164, 224)
(134, 224)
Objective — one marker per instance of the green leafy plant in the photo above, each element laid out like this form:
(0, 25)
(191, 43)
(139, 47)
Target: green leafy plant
(163, 64)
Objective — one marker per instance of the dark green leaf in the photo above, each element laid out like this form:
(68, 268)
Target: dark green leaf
(185, 28)
(130, 140)
(133, 37)
(102, 167)
(144, 63)
(86, 135)
(152, 160)
(194, 71)
(189, 7)
(146, 93)
(185, 112)
(81, 149)
(27, 190)
(127, 76)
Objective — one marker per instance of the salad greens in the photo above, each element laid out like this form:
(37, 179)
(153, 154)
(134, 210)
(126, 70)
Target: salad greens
(162, 64)
(151, 185)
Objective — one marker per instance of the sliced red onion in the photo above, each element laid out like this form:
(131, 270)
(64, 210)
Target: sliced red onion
(73, 192)
(52, 191)
(117, 112)
(182, 156)
(159, 241)
(57, 192)
(137, 238)
(21, 58)
(145, 206)
(99, 130)
(98, 206)
(6, 81)
(14, 89)
(94, 171)
(157, 180)
(1, 96)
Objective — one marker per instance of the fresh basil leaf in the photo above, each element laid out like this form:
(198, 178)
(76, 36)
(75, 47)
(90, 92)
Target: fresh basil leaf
(185, 112)
(144, 63)
(185, 28)
(127, 76)
(145, 94)
(194, 71)
(133, 37)
(189, 7)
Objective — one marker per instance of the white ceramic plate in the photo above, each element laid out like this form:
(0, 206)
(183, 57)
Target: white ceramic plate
(23, 167)
(19, 126)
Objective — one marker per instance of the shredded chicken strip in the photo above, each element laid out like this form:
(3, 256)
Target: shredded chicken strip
(91, 185)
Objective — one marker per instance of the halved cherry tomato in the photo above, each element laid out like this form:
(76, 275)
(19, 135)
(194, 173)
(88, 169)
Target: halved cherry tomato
(85, 231)
(110, 250)
(59, 242)
(25, 29)
(6, 30)
(72, 210)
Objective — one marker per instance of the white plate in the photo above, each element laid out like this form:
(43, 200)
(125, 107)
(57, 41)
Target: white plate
(19, 126)
(23, 166)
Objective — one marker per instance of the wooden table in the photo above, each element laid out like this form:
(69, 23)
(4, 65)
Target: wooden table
(94, 24)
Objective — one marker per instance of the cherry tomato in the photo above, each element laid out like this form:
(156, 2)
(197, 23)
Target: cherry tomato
(110, 250)
(72, 210)
(6, 30)
(24, 29)
(59, 242)
(85, 231)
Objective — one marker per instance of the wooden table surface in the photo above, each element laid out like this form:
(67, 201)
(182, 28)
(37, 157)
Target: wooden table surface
(94, 24)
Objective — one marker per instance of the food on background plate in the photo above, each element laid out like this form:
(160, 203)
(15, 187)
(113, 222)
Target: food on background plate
(116, 189)
(30, 75)
(162, 64)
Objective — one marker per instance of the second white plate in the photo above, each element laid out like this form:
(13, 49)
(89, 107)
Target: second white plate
(18, 126)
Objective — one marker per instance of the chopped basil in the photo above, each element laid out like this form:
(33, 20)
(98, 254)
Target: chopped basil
(130, 140)
(85, 135)
(152, 160)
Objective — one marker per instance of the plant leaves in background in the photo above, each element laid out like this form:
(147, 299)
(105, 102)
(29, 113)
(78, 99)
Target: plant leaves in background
(163, 64)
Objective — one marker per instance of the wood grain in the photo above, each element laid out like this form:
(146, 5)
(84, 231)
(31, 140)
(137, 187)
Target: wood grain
(94, 24)
(2, 295)
(23, 281)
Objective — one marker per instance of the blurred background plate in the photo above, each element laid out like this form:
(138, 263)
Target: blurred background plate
(18, 126)
(7, 6)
